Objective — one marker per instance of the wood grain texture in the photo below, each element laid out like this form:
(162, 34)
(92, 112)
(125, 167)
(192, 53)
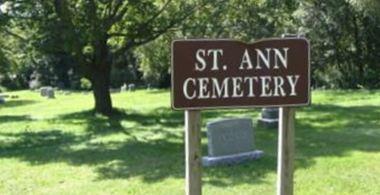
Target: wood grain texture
(285, 166)
(193, 152)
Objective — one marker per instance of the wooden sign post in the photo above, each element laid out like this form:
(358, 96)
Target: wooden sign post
(211, 74)
(193, 152)
(285, 157)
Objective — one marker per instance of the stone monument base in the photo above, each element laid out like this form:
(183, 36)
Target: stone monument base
(268, 123)
(233, 159)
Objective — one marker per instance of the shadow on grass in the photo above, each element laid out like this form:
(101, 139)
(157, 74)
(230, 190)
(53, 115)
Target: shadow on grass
(15, 103)
(9, 118)
(95, 124)
(32, 140)
(14, 118)
(330, 130)
(162, 117)
(322, 131)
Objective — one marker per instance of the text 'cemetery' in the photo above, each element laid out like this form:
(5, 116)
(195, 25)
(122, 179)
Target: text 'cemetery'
(226, 73)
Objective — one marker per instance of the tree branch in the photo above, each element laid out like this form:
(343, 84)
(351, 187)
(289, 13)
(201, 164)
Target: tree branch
(19, 37)
(150, 20)
(116, 34)
(147, 22)
(172, 24)
(120, 14)
(132, 42)
(116, 8)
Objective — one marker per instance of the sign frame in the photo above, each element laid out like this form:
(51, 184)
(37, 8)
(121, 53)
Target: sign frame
(241, 106)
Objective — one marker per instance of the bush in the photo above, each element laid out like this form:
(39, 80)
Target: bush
(85, 84)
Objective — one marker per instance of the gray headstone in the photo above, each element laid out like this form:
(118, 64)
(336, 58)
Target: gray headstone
(232, 159)
(230, 136)
(269, 113)
(230, 141)
(131, 87)
(269, 117)
(50, 93)
(44, 91)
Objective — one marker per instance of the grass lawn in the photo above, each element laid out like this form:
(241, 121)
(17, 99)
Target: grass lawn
(58, 147)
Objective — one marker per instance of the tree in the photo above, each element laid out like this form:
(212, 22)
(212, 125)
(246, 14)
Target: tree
(344, 40)
(246, 20)
(96, 32)
(154, 61)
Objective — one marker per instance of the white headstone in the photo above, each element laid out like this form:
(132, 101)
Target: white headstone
(124, 88)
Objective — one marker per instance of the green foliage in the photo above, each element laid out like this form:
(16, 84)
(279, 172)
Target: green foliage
(89, 37)
(154, 61)
(370, 7)
(65, 40)
(343, 34)
(85, 84)
(345, 45)
(237, 19)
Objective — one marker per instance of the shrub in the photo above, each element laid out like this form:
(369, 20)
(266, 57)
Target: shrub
(85, 84)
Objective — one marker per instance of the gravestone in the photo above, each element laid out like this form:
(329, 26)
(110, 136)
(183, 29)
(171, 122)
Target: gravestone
(230, 141)
(123, 88)
(269, 117)
(50, 93)
(131, 87)
(44, 91)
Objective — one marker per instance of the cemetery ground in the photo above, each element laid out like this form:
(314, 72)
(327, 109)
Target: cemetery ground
(57, 146)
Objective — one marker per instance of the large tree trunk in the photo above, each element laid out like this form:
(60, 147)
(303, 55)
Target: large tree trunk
(101, 72)
(100, 84)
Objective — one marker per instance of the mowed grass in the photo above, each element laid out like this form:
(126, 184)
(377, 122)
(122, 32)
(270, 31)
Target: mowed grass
(59, 147)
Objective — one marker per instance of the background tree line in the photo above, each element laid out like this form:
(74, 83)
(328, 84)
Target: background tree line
(98, 44)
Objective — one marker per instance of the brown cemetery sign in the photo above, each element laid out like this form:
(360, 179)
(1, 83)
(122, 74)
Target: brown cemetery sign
(230, 74)
(226, 73)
